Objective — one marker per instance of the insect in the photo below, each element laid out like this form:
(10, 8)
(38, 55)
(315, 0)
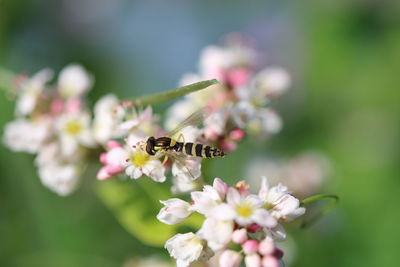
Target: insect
(165, 145)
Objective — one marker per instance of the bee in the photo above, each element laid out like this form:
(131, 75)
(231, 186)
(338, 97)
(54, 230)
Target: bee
(166, 145)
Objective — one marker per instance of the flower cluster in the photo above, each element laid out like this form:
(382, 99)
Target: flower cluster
(53, 122)
(235, 220)
(240, 101)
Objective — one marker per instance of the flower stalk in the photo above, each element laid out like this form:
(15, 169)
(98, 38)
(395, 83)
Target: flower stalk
(172, 94)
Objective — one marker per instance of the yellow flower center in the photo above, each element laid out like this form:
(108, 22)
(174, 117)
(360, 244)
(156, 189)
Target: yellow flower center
(244, 210)
(73, 127)
(140, 158)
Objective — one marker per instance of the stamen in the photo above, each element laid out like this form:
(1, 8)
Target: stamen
(127, 160)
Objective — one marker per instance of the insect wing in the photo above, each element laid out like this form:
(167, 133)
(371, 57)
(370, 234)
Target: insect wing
(194, 119)
(181, 162)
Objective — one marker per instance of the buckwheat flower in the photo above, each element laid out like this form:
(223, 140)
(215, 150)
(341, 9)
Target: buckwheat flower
(187, 248)
(28, 136)
(272, 81)
(252, 260)
(31, 91)
(230, 258)
(206, 201)
(74, 130)
(279, 202)
(217, 233)
(140, 163)
(74, 81)
(60, 178)
(106, 119)
(174, 211)
(264, 122)
(114, 160)
(248, 209)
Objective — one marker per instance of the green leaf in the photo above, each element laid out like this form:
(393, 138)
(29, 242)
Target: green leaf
(175, 93)
(135, 204)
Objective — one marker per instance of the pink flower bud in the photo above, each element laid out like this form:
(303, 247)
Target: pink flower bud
(270, 261)
(103, 174)
(250, 247)
(238, 77)
(103, 158)
(57, 106)
(113, 144)
(237, 134)
(253, 260)
(278, 253)
(230, 258)
(228, 145)
(73, 105)
(113, 169)
(266, 247)
(239, 236)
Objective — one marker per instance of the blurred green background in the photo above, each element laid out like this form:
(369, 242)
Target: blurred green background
(344, 57)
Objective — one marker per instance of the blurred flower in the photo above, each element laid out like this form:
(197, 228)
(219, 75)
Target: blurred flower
(30, 91)
(74, 81)
(61, 179)
(240, 101)
(24, 135)
(74, 129)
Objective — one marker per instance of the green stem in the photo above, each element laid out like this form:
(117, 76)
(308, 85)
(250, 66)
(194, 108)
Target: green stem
(325, 210)
(175, 93)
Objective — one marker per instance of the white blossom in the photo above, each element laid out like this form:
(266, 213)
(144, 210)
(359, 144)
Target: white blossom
(106, 119)
(280, 203)
(24, 135)
(185, 248)
(217, 233)
(60, 178)
(174, 211)
(74, 81)
(74, 130)
(31, 90)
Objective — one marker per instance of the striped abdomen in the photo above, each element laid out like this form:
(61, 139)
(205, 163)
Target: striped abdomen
(198, 150)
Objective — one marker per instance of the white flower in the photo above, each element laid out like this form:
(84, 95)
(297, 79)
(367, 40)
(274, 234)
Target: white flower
(140, 163)
(206, 201)
(272, 81)
(105, 119)
(217, 233)
(25, 135)
(74, 81)
(31, 91)
(247, 209)
(281, 204)
(175, 211)
(185, 248)
(60, 178)
(265, 122)
(242, 112)
(74, 130)
(253, 260)
(230, 258)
